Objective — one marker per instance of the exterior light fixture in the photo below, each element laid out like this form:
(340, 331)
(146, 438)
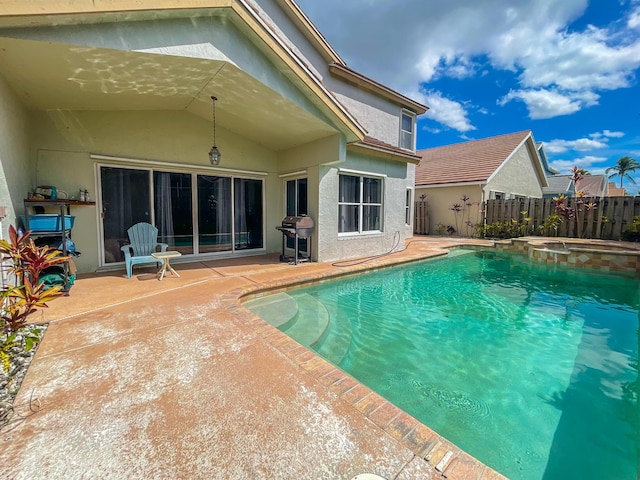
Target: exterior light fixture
(214, 153)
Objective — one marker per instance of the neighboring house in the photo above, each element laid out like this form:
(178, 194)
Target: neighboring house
(589, 185)
(505, 166)
(558, 185)
(115, 98)
(615, 191)
(548, 171)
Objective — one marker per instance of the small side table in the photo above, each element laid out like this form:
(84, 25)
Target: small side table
(165, 257)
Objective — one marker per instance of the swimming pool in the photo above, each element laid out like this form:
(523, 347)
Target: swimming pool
(532, 369)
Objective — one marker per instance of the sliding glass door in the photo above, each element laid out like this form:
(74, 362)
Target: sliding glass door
(248, 213)
(126, 195)
(296, 205)
(173, 210)
(214, 214)
(194, 213)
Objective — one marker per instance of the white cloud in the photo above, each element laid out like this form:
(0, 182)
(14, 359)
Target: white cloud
(594, 141)
(579, 145)
(634, 19)
(543, 103)
(579, 61)
(608, 134)
(589, 163)
(445, 111)
(557, 71)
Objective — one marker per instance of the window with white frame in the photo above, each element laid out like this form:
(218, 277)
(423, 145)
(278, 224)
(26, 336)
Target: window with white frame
(407, 131)
(359, 204)
(407, 206)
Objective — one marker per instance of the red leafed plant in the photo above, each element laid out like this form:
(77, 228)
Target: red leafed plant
(574, 214)
(27, 263)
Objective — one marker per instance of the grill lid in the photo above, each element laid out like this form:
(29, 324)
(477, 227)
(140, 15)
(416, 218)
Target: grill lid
(302, 221)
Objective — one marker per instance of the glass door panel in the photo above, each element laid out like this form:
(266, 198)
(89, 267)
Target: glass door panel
(214, 214)
(248, 213)
(125, 198)
(173, 210)
(296, 206)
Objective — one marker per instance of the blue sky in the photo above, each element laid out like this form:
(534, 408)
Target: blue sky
(565, 69)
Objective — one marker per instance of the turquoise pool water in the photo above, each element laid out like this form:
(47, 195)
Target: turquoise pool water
(533, 370)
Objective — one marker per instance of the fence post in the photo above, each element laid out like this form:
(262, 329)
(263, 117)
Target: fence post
(421, 218)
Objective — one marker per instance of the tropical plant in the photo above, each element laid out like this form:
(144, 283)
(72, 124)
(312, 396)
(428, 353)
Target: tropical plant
(574, 213)
(623, 167)
(508, 229)
(462, 214)
(19, 301)
(632, 232)
(27, 263)
(550, 225)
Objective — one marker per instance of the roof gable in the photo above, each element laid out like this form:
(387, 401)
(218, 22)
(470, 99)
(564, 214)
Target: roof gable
(558, 184)
(592, 185)
(468, 162)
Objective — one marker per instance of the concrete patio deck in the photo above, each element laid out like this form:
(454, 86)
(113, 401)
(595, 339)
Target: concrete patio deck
(140, 378)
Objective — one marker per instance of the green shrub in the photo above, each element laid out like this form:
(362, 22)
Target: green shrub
(632, 232)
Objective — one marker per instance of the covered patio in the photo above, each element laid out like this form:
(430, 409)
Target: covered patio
(143, 378)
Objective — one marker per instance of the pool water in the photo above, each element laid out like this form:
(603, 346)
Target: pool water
(533, 370)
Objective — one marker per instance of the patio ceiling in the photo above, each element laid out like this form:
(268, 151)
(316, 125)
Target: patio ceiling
(51, 76)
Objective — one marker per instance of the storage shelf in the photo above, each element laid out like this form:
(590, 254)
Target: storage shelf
(63, 233)
(46, 202)
(50, 233)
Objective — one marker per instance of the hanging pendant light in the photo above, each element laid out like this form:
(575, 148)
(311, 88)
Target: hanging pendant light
(214, 153)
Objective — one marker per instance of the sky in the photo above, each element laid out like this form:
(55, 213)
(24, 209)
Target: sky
(565, 69)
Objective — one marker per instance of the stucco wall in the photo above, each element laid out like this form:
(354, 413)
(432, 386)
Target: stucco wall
(442, 199)
(517, 176)
(15, 165)
(308, 158)
(334, 246)
(380, 118)
(63, 141)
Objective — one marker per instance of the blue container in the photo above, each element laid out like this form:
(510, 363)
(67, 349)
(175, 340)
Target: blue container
(48, 222)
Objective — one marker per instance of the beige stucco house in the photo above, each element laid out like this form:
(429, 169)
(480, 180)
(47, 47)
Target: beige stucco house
(115, 97)
(457, 179)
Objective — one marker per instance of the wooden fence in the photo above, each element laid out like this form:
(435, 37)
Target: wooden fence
(610, 217)
(421, 218)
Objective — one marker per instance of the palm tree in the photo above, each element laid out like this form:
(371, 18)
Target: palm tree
(623, 166)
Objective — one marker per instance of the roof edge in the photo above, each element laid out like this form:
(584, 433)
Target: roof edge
(346, 73)
(16, 13)
(481, 183)
(383, 151)
(310, 31)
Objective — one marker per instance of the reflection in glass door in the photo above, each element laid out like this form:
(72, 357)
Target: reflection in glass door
(214, 214)
(125, 202)
(247, 195)
(173, 210)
